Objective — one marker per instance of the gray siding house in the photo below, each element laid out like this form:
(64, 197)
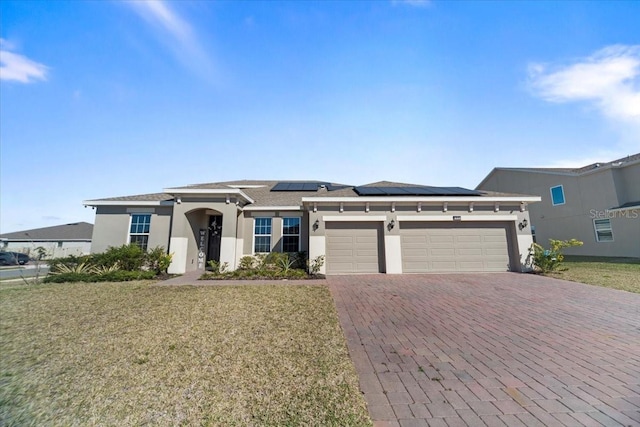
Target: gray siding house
(382, 227)
(58, 241)
(598, 204)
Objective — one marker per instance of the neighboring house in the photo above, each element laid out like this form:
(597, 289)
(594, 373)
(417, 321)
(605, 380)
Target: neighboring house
(598, 204)
(58, 241)
(381, 227)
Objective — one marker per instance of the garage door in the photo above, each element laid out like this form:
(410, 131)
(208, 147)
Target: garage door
(437, 247)
(353, 248)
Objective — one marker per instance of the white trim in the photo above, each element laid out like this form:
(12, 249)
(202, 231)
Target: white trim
(225, 191)
(127, 203)
(253, 233)
(425, 200)
(564, 198)
(464, 218)
(354, 218)
(273, 208)
(282, 235)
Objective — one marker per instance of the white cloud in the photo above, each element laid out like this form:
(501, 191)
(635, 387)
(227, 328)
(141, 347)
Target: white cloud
(18, 67)
(176, 33)
(609, 80)
(414, 3)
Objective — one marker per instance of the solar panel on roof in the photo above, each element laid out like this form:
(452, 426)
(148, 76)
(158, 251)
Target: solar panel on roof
(297, 186)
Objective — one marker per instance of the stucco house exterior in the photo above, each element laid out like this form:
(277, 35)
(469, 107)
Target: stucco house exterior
(58, 241)
(598, 204)
(383, 227)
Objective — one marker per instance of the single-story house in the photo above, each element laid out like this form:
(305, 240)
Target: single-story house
(598, 204)
(57, 241)
(383, 227)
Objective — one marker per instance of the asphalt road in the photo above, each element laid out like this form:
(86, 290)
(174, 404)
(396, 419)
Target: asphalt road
(29, 270)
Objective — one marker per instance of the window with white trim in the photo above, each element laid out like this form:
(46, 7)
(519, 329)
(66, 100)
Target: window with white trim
(290, 234)
(139, 230)
(262, 235)
(557, 195)
(604, 232)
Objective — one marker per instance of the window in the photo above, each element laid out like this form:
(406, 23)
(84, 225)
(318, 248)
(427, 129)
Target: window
(139, 231)
(557, 195)
(262, 235)
(533, 233)
(290, 234)
(604, 232)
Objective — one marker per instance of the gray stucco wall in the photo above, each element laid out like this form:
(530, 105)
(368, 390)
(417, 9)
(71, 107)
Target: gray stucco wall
(587, 197)
(112, 226)
(276, 229)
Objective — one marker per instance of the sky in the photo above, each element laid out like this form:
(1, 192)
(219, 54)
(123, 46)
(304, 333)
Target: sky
(111, 98)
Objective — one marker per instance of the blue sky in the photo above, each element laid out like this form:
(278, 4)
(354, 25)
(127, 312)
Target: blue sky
(110, 98)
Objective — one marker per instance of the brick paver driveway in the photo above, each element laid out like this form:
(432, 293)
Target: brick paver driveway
(492, 349)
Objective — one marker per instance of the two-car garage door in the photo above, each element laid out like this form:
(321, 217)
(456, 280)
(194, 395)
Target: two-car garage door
(426, 247)
(454, 247)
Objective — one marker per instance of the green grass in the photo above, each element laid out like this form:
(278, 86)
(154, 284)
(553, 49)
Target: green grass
(616, 273)
(134, 354)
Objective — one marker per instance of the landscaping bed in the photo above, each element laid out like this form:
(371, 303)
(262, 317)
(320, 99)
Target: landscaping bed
(134, 354)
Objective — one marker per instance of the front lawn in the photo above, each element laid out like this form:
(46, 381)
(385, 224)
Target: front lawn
(134, 354)
(616, 273)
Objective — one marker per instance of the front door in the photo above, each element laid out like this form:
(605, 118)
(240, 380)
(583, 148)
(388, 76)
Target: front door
(215, 236)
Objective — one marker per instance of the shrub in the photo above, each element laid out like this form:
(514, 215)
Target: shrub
(111, 276)
(247, 263)
(68, 261)
(315, 264)
(547, 260)
(130, 257)
(82, 268)
(158, 260)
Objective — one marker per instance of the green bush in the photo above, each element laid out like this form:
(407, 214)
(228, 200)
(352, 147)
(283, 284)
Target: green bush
(129, 257)
(70, 261)
(547, 260)
(158, 260)
(111, 276)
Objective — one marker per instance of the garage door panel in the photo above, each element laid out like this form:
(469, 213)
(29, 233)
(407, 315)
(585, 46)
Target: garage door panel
(353, 248)
(470, 252)
(432, 247)
(435, 252)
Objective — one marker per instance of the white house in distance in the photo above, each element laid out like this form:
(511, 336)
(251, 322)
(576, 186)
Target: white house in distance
(58, 241)
(383, 227)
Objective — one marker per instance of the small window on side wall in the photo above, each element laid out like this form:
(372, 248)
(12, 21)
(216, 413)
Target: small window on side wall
(604, 232)
(557, 195)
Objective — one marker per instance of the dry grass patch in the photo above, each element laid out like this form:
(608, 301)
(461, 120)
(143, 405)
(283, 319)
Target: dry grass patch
(133, 354)
(616, 273)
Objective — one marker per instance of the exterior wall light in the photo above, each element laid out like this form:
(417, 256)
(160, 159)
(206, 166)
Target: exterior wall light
(523, 224)
(392, 224)
(316, 225)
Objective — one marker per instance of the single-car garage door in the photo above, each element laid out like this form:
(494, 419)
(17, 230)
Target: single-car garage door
(429, 247)
(353, 248)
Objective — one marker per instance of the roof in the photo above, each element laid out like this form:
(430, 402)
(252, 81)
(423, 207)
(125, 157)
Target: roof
(622, 162)
(261, 194)
(73, 231)
(583, 169)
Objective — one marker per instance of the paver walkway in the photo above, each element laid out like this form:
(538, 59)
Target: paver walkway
(492, 349)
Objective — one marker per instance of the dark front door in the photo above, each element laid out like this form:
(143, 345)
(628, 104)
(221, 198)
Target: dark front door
(215, 236)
